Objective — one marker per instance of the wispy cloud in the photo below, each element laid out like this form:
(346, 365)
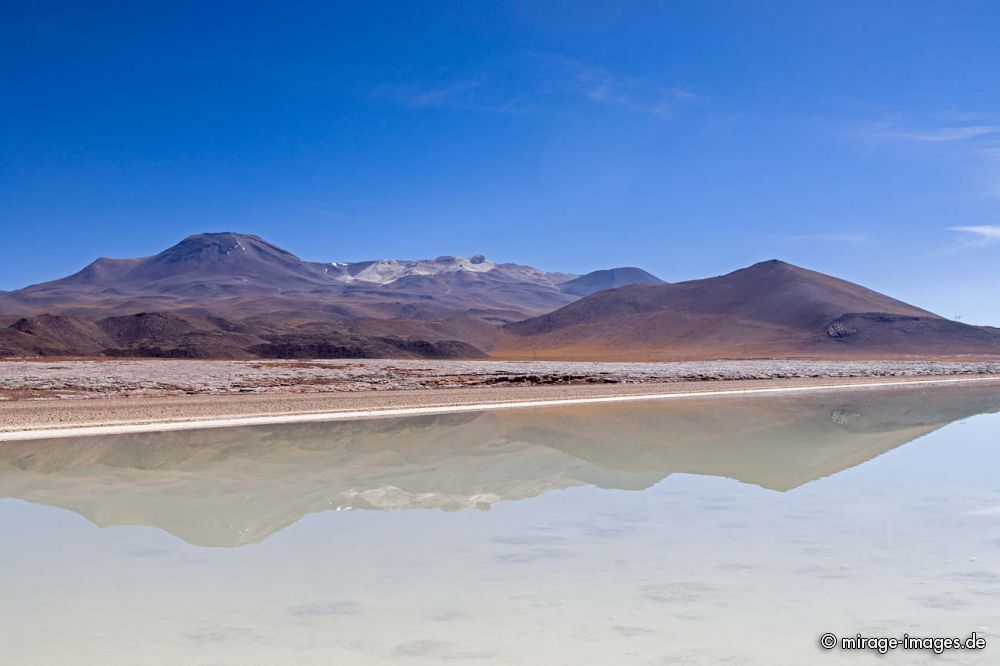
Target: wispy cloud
(979, 234)
(453, 93)
(603, 86)
(970, 140)
(530, 81)
(940, 134)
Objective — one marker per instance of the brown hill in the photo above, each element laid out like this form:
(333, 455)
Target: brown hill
(770, 309)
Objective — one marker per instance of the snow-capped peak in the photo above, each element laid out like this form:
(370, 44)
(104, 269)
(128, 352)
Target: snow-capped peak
(386, 271)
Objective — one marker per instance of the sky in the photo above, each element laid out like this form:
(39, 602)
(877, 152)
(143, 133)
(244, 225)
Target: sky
(860, 139)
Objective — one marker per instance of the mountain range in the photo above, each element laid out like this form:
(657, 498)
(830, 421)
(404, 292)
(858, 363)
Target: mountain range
(239, 276)
(219, 295)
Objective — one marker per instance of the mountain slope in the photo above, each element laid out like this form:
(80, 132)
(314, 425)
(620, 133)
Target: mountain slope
(769, 309)
(223, 258)
(199, 267)
(611, 278)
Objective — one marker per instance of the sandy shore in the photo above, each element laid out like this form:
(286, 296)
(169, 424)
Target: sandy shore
(38, 418)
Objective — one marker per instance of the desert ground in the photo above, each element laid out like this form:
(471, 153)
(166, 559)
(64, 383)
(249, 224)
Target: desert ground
(44, 394)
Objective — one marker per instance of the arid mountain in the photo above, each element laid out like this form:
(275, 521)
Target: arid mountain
(611, 278)
(235, 486)
(236, 276)
(770, 309)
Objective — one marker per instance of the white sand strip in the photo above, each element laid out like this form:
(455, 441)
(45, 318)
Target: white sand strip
(312, 417)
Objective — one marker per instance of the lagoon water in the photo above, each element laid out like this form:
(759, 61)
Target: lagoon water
(691, 531)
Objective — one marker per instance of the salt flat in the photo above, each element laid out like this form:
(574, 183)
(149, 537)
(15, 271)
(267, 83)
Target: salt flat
(39, 379)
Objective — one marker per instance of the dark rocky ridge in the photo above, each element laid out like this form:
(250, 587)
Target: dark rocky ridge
(342, 346)
(167, 335)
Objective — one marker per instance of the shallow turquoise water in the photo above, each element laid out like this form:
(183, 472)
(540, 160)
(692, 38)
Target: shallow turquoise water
(687, 531)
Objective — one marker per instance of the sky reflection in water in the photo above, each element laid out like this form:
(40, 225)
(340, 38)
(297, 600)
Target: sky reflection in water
(687, 531)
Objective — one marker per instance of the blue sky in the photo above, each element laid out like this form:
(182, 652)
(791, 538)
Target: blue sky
(861, 139)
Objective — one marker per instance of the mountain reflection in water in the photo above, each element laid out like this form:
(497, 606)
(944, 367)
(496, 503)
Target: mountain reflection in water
(235, 486)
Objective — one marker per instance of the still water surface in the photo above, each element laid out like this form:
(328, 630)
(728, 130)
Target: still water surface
(695, 531)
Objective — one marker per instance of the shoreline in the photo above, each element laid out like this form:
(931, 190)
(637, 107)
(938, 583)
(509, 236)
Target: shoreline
(45, 419)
